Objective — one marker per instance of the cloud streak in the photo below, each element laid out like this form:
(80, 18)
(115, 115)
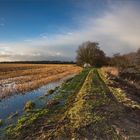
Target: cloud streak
(117, 30)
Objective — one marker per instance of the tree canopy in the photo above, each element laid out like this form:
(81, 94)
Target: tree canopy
(89, 52)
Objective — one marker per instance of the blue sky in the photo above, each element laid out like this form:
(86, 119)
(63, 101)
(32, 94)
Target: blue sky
(23, 19)
(29, 19)
(53, 29)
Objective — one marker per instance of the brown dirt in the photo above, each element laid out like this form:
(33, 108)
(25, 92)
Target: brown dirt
(127, 125)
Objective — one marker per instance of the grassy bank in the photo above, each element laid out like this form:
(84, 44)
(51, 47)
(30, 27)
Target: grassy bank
(85, 107)
(64, 95)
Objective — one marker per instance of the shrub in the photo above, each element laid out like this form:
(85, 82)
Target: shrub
(50, 91)
(29, 105)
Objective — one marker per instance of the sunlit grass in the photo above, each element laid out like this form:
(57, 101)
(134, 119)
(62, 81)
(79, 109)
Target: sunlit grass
(68, 89)
(20, 78)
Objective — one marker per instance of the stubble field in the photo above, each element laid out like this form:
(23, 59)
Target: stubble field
(19, 78)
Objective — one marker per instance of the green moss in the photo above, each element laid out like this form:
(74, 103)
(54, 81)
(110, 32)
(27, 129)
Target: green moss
(25, 120)
(29, 105)
(1, 122)
(85, 107)
(80, 114)
(68, 90)
(73, 86)
(93, 106)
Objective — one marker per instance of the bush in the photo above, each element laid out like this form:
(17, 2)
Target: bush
(50, 91)
(29, 105)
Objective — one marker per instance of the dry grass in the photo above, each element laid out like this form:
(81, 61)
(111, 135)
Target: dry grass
(17, 78)
(111, 70)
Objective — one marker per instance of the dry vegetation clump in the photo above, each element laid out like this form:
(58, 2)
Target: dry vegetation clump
(51, 91)
(29, 105)
(127, 96)
(111, 70)
(25, 77)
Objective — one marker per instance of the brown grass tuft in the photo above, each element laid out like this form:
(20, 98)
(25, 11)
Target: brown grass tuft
(111, 70)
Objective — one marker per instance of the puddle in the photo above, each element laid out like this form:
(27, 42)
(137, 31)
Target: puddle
(15, 103)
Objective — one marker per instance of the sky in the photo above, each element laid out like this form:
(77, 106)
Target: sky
(53, 29)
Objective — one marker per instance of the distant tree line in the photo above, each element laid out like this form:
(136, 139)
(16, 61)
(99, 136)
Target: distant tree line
(39, 62)
(126, 60)
(89, 52)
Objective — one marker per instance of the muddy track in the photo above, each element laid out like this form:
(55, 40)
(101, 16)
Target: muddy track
(128, 95)
(92, 109)
(88, 114)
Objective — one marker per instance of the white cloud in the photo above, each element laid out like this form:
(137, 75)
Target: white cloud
(116, 31)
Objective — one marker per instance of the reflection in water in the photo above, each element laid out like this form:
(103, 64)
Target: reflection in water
(16, 103)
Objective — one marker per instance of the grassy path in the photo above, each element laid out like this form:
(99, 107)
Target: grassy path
(88, 113)
(91, 114)
(49, 115)
(86, 109)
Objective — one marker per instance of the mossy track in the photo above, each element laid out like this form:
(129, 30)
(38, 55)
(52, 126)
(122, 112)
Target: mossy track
(86, 110)
(90, 115)
(38, 117)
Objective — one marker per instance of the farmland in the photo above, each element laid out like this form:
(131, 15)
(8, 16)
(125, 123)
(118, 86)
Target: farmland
(19, 78)
(87, 106)
(69, 70)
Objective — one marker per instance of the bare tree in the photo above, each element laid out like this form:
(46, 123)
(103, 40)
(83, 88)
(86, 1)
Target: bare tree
(89, 52)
